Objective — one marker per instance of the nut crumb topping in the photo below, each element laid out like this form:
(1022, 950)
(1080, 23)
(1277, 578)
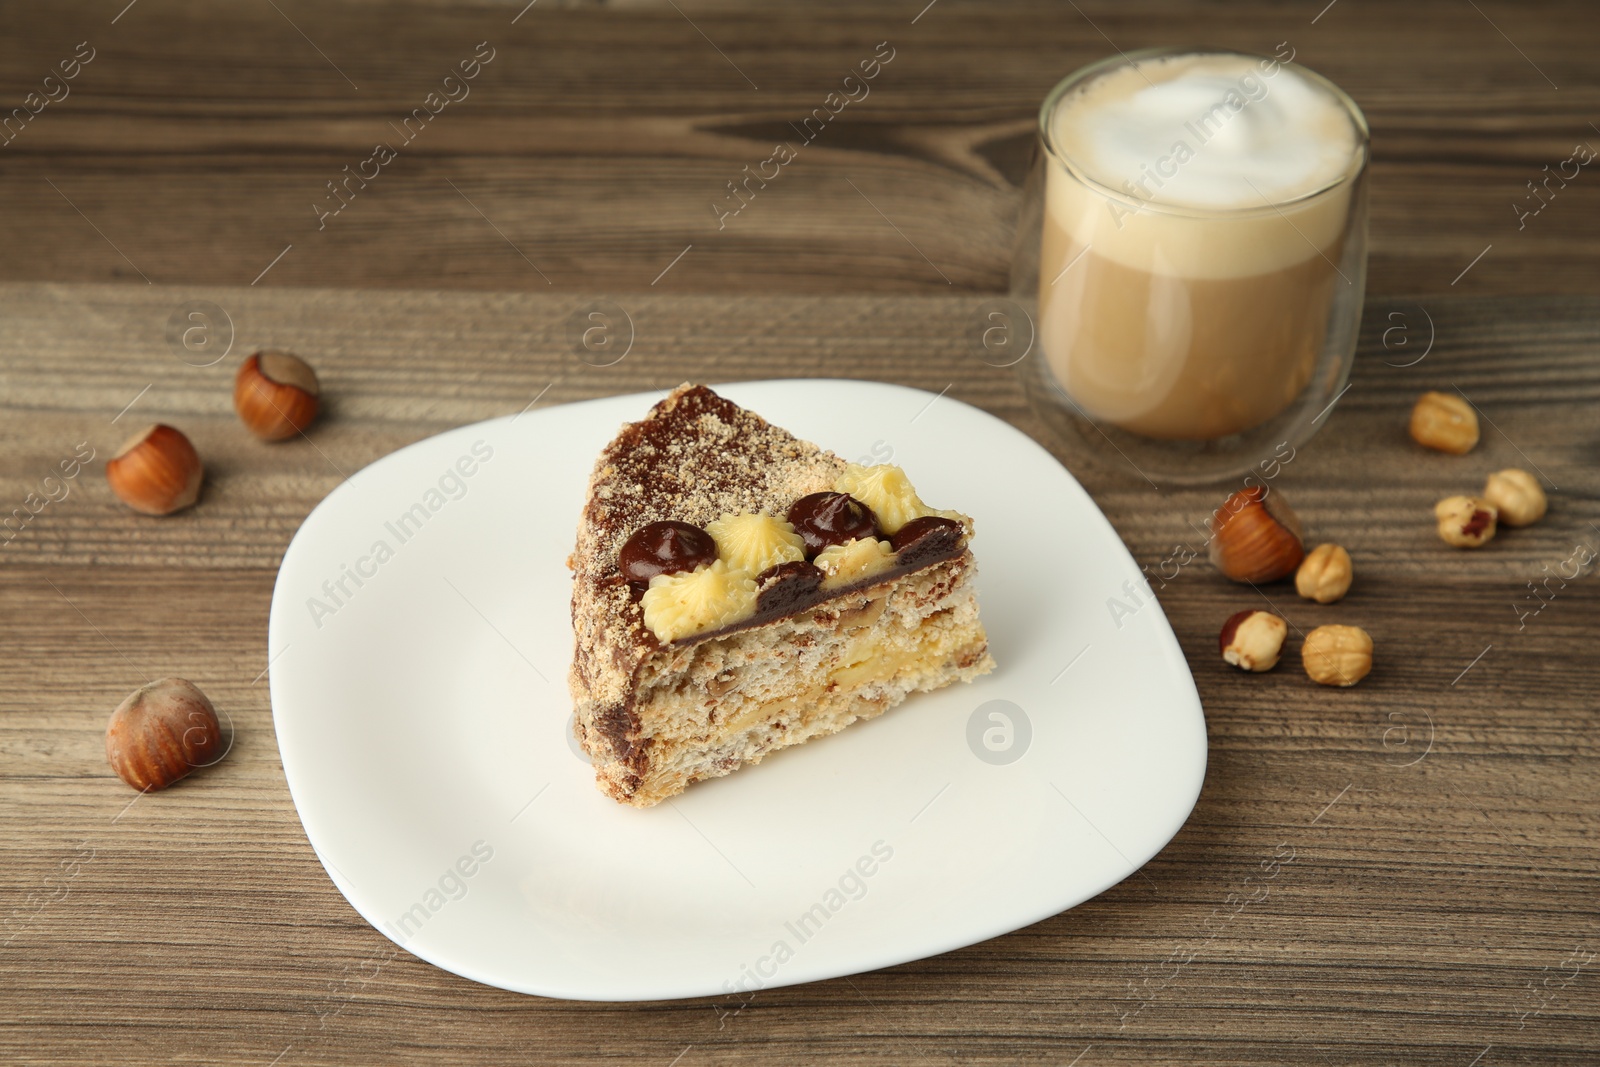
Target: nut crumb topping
(695, 457)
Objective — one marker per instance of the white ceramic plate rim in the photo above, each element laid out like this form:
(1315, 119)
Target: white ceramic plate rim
(320, 822)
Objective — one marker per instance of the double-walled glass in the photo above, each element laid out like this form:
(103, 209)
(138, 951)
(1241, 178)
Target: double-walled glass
(1183, 344)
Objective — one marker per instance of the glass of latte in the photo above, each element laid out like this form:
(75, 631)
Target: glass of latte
(1195, 236)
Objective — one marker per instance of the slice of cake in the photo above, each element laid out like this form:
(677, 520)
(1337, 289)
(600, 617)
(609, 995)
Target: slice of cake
(737, 590)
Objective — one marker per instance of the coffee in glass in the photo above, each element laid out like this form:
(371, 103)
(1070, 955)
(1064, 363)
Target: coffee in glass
(1201, 257)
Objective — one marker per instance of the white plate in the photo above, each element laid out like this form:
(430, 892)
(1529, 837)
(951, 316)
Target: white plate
(423, 719)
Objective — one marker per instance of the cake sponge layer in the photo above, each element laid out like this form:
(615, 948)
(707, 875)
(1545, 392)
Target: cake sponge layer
(704, 710)
(830, 641)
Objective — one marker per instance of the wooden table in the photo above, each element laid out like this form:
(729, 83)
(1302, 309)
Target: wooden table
(1439, 900)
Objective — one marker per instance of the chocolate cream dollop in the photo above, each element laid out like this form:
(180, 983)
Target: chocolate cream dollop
(823, 519)
(667, 547)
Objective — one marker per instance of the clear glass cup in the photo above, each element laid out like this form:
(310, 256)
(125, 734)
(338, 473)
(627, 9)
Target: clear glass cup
(1187, 345)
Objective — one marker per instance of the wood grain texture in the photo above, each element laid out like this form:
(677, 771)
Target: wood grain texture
(1440, 906)
(1434, 827)
(194, 146)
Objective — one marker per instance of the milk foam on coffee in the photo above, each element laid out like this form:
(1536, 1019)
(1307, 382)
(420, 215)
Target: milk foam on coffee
(1203, 133)
(1195, 208)
(1274, 135)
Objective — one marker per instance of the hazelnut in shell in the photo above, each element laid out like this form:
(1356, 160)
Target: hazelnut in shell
(161, 732)
(276, 395)
(156, 471)
(1255, 537)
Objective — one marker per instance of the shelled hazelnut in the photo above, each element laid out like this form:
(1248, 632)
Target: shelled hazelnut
(1337, 655)
(1444, 423)
(276, 395)
(156, 471)
(1256, 537)
(1253, 640)
(161, 732)
(1465, 521)
(1517, 497)
(1325, 574)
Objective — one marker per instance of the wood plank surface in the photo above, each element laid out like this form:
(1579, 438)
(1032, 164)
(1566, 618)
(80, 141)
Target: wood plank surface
(1435, 826)
(198, 143)
(1437, 900)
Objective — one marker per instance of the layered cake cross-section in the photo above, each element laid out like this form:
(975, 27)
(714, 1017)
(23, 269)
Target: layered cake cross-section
(737, 590)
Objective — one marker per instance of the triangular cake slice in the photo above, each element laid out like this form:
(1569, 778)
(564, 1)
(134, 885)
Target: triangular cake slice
(737, 590)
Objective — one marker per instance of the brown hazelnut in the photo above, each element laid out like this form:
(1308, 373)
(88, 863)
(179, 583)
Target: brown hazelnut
(1253, 640)
(1324, 575)
(161, 732)
(1337, 655)
(1255, 537)
(156, 471)
(276, 394)
(1444, 423)
(1517, 496)
(1465, 521)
